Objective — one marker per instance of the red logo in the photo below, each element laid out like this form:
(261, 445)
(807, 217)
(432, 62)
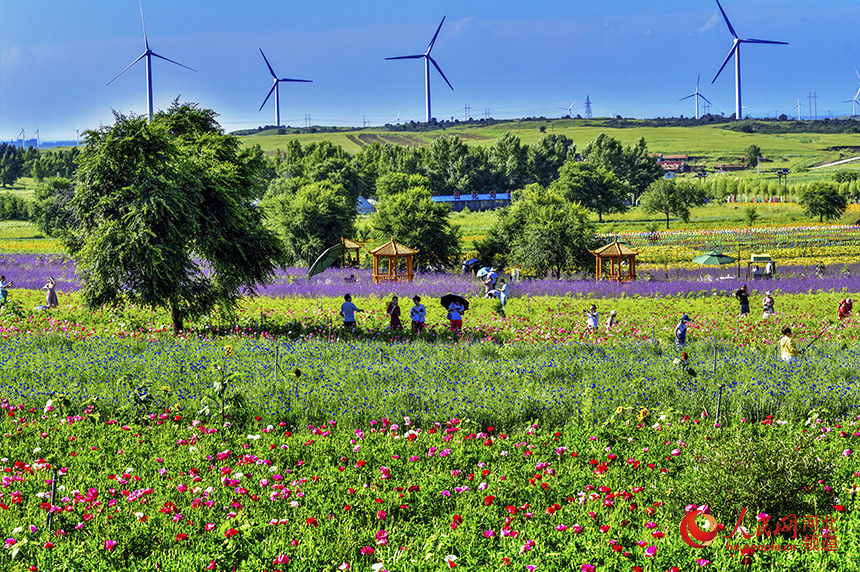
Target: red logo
(695, 536)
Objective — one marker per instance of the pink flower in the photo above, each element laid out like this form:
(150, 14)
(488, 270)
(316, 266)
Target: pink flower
(381, 515)
(702, 562)
(587, 568)
(367, 550)
(577, 529)
(676, 452)
(48, 545)
(344, 566)
(531, 567)
(561, 527)
(762, 517)
(209, 526)
(211, 565)
(649, 552)
(281, 559)
(10, 542)
(489, 533)
(230, 532)
(381, 538)
(109, 545)
(847, 453)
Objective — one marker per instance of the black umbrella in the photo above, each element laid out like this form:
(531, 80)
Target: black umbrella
(449, 299)
(326, 259)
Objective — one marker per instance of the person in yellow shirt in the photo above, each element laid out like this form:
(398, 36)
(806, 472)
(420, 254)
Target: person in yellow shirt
(788, 351)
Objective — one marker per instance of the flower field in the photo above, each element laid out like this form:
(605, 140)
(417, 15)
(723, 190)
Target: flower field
(274, 440)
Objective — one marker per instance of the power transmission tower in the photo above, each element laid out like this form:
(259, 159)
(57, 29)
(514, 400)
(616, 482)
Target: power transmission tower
(467, 112)
(587, 107)
(486, 113)
(815, 99)
(307, 120)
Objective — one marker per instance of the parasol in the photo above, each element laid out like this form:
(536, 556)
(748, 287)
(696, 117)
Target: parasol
(449, 299)
(483, 271)
(326, 259)
(714, 258)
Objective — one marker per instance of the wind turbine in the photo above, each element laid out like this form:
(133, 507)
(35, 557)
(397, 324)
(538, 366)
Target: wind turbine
(736, 50)
(570, 109)
(697, 95)
(428, 59)
(147, 53)
(856, 99)
(798, 106)
(275, 81)
(37, 138)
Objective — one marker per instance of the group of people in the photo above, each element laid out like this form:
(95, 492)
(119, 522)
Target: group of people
(768, 272)
(418, 314)
(592, 318)
(767, 303)
(51, 300)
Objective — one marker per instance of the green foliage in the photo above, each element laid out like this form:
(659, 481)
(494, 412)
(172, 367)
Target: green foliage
(311, 220)
(547, 156)
(508, 161)
(53, 213)
(412, 218)
(670, 197)
(62, 163)
(153, 199)
(394, 183)
(592, 186)
(542, 231)
(633, 165)
(11, 164)
(752, 155)
(751, 215)
(823, 200)
(846, 176)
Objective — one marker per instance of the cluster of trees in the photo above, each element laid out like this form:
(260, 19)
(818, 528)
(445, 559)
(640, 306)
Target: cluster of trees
(17, 162)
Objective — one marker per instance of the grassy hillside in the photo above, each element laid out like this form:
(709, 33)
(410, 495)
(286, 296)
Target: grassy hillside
(705, 144)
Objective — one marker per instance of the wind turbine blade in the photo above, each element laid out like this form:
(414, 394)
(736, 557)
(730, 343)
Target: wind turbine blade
(698, 77)
(688, 97)
(728, 57)
(142, 21)
(433, 41)
(296, 80)
(754, 41)
(705, 98)
(140, 57)
(268, 65)
(438, 69)
(173, 62)
(726, 18)
(856, 95)
(415, 57)
(268, 95)
(857, 72)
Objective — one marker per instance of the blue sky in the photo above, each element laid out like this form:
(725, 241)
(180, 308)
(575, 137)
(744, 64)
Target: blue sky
(515, 58)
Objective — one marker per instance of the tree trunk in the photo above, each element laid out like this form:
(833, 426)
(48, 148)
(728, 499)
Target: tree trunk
(667, 221)
(176, 317)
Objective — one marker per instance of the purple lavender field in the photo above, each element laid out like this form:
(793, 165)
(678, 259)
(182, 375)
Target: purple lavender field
(30, 271)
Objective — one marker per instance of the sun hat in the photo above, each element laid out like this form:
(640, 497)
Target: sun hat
(613, 313)
(685, 318)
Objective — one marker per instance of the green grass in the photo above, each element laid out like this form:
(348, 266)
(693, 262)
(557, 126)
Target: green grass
(24, 187)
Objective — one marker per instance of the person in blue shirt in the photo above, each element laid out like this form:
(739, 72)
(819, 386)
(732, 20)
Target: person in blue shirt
(347, 311)
(681, 331)
(4, 294)
(418, 314)
(455, 314)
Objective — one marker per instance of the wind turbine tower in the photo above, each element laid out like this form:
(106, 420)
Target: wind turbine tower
(37, 138)
(798, 106)
(147, 53)
(697, 95)
(587, 107)
(570, 109)
(428, 59)
(275, 82)
(736, 51)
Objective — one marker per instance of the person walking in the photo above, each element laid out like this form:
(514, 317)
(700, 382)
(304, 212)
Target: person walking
(768, 271)
(767, 306)
(788, 352)
(4, 293)
(503, 292)
(681, 331)
(610, 321)
(845, 307)
(393, 310)
(418, 313)
(744, 298)
(348, 311)
(51, 300)
(455, 315)
(592, 318)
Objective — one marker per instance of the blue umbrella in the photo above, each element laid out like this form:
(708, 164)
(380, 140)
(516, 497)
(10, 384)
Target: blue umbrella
(483, 271)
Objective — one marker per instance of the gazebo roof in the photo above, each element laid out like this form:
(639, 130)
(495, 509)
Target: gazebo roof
(350, 245)
(614, 249)
(392, 248)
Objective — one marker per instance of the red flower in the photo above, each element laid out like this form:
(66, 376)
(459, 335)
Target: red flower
(311, 521)
(488, 500)
(230, 532)
(181, 536)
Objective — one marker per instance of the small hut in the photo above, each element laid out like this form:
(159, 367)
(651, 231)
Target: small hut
(761, 266)
(621, 258)
(350, 257)
(393, 253)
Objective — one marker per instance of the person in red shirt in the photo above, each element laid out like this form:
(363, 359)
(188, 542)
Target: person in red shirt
(845, 307)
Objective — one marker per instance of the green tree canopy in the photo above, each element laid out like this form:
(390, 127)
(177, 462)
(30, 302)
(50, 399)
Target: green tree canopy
(53, 213)
(508, 161)
(752, 155)
(412, 218)
(546, 157)
(392, 184)
(311, 220)
(541, 231)
(671, 197)
(11, 164)
(823, 200)
(632, 165)
(592, 186)
(166, 216)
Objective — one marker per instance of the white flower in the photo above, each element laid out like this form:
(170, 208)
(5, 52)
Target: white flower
(36, 450)
(254, 437)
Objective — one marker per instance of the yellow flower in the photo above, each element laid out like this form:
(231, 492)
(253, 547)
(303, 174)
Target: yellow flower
(643, 414)
(619, 410)
(165, 388)
(228, 351)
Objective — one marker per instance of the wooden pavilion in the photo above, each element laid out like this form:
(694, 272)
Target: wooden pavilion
(351, 253)
(392, 253)
(622, 262)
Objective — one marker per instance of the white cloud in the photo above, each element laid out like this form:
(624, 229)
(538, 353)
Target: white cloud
(715, 18)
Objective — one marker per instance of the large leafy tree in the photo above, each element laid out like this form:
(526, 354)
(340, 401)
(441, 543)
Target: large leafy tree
(670, 197)
(541, 231)
(412, 218)
(508, 161)
(632, 165)
(312, 219)
(823, 200)
(546, 157)
(166, 216)
(11, 164)
(592, 186)
(52, 212)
